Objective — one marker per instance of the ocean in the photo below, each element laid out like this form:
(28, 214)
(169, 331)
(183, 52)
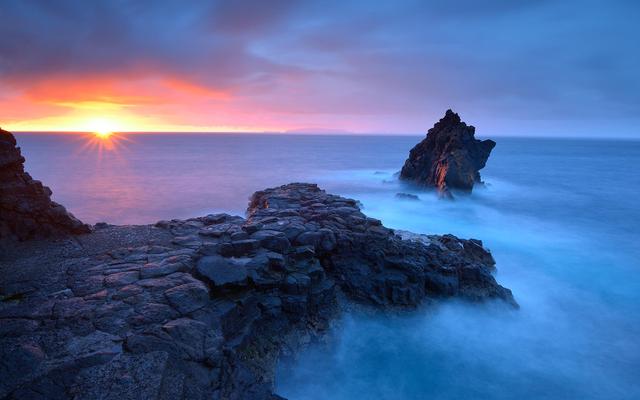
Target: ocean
(560, 216)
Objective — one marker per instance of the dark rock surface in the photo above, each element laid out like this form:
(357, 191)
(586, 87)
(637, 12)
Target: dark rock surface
(407, 196)
(203, 308)
(450, 157)
(26, 209)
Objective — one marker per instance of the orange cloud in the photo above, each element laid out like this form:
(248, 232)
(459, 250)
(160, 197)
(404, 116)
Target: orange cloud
(75, 104)
(117, 89)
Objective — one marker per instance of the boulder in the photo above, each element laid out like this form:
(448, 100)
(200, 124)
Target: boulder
(450, 157)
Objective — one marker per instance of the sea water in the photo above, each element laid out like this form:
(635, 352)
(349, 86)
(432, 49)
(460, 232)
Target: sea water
(560, 216)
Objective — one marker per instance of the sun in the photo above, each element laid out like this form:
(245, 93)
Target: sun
(103, 134)
(102, 127)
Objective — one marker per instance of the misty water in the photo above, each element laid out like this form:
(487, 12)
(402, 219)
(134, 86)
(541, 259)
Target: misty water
(560, 216)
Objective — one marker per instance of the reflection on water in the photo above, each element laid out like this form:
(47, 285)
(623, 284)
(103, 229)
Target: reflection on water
(152, 177)
(559, 215)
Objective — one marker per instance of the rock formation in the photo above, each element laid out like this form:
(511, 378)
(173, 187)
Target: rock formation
(26, 209)
(203, 308)
(407, 196)
(448, 158)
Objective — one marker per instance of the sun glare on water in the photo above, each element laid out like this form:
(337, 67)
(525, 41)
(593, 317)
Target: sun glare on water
(105, 134)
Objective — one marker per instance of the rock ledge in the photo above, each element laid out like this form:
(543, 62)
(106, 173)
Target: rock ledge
(203, 308)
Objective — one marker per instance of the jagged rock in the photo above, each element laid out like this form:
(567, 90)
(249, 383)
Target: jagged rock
(407, 196)
(449, 157)
(363, 251)
(26, 209)
(206, 316)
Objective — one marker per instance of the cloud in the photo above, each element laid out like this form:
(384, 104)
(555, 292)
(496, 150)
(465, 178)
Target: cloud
(383, 66)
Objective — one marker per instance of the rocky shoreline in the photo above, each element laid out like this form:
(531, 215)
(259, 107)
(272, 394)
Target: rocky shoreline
(203, 308)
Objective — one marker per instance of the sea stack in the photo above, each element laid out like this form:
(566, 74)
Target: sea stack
(26, 209)
(450, 157)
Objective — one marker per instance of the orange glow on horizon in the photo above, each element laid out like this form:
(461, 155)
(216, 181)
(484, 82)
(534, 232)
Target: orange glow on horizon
(144, 101)
(111, 103)
(102, 117)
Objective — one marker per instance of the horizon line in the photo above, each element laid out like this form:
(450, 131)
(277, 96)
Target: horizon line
(324, 133)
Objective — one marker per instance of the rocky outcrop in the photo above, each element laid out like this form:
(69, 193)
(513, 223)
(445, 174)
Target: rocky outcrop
(203, 308)
(450, 157)
(407, 196)
(26, 209)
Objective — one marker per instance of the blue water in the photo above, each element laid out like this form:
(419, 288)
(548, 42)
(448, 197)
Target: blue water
(561, 217)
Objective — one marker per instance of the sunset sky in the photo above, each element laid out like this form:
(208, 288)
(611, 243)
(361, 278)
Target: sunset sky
(536, 67)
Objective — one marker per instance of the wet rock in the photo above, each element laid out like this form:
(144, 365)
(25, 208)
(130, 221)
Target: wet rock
(360, 255)
(450, 157)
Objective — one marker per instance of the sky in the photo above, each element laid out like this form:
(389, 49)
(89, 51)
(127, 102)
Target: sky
(509, 67)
